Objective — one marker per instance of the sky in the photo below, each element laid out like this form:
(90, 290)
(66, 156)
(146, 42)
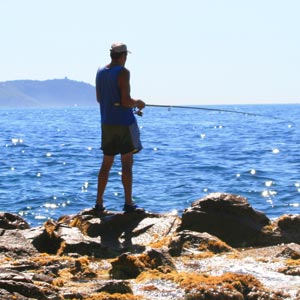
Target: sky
(183, 52)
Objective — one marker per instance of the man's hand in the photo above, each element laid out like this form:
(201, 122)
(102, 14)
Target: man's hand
(140, 104)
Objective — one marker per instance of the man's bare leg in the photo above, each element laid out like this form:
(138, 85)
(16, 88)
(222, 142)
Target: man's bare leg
(103, 175)
(127, 163)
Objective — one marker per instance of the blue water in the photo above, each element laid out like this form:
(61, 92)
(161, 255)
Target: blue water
(50, 160)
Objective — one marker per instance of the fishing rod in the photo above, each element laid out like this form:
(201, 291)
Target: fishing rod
(217, 110)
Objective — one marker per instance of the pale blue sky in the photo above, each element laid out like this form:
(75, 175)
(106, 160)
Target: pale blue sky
(183, 52)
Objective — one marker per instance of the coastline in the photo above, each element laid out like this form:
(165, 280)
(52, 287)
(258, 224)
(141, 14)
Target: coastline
(221, 248)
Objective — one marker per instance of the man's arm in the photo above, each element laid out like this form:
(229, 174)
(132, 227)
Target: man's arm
(124, 85)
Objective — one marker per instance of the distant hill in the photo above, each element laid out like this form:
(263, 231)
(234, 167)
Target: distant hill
(48, 93)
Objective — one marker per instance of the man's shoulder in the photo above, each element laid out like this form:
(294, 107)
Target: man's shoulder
(124, 72)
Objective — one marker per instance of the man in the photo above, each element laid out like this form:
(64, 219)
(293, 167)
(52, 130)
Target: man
(120, 133)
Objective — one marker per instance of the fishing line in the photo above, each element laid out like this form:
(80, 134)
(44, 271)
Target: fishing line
(218, 110)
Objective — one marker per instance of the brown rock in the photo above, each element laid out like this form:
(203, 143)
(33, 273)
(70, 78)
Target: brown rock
(289, 223)
(12, 221)
(56, 238)
(291, 251)
(115, 286)
(290, 270)
(196, 241)
(128, 266)
(289, 228)
(227, 216)
(160, 260)
(283, 230)
(44, 238)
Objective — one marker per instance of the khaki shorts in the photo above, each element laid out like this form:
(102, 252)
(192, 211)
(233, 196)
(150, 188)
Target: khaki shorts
(120, 139)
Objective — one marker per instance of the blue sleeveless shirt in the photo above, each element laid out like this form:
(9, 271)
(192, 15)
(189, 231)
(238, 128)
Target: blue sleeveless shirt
(112, 112)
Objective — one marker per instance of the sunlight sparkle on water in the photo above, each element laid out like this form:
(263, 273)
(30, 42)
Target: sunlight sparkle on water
(16, 141)
(268, 193)
(50, 205)
(40, 217)
(85, 187)
(275, 151)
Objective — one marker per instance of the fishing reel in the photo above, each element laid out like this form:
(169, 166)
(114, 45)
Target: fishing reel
(138, 112)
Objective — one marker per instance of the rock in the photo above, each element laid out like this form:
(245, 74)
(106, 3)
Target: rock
(12, 221)
(16, 282)
(115, 286)
(56, 238)
(289, 228)
(13, 276)
(227, 216)
(158, 260)
(74, 241)
(105, 236)
(283, 230)
(14, 245)
(44, 238)
(192, 242)
(5, 295)
(42, 278)
(119, 232)
(88, 256)
(291, 251)
(289, 223)
(128, 266)
(24, 265)
(73, 296)
(290, 270)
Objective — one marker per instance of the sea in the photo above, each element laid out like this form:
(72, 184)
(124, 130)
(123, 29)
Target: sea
(50, 158)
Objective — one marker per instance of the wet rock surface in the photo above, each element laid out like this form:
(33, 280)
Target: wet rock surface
(221, 248)
(231, 218)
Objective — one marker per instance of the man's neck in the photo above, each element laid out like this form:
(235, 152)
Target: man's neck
(116, 62)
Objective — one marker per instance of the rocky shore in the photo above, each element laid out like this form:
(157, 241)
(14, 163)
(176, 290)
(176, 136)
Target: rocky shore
(220, 248)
